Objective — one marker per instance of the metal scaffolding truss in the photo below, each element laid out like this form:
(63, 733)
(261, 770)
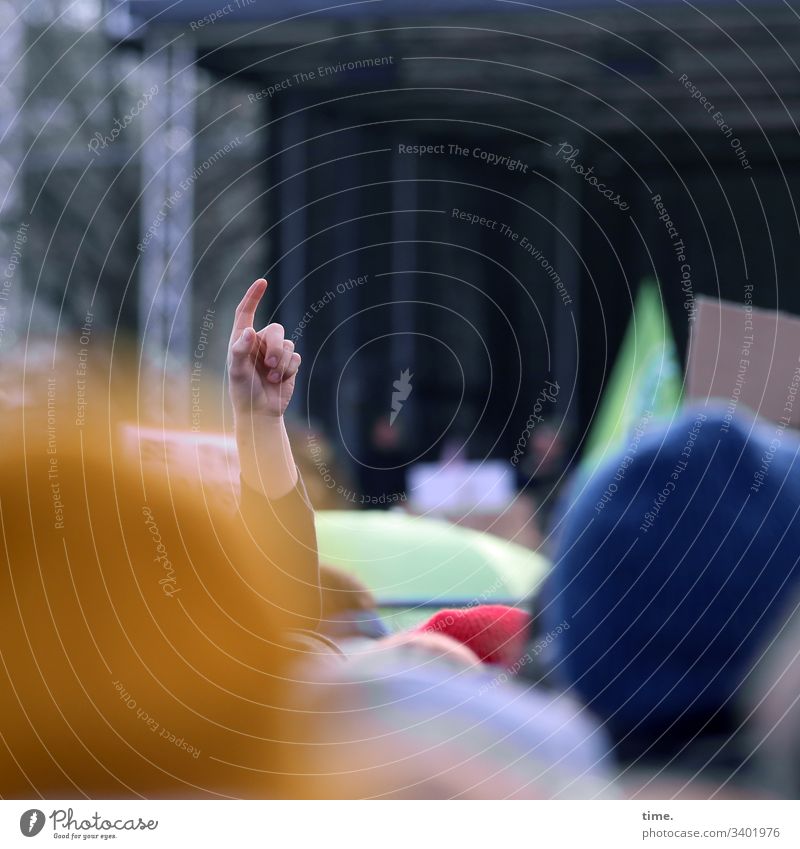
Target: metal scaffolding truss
(165, 245)
(13, 227)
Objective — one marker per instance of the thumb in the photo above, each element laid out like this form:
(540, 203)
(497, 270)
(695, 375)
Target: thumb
(246, 344)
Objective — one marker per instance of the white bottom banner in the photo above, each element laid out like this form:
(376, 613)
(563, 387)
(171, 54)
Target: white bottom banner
(390, 824)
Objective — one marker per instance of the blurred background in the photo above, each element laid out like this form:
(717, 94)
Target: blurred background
(500, 233)
(156, 157)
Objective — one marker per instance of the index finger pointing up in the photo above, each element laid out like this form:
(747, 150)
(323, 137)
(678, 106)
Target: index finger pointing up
(246, 311)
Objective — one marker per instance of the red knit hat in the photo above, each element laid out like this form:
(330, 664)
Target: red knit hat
(496, 633)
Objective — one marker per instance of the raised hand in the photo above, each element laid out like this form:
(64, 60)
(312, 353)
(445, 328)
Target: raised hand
(261, 373)
(262, 365)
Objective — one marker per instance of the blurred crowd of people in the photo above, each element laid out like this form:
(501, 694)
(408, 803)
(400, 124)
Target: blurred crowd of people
(155, 645)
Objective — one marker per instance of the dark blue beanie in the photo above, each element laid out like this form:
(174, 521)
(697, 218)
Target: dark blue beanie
(671, 568)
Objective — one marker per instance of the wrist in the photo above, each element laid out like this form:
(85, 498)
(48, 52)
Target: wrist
(258, 434)
(255, 422)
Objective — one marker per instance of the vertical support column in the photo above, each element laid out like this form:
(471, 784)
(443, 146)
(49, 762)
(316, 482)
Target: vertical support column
(165, 241)
(14, 228)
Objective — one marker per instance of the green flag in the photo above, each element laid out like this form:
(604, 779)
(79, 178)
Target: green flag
(645, 383)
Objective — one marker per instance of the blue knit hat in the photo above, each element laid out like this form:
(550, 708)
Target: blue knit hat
(672, 564)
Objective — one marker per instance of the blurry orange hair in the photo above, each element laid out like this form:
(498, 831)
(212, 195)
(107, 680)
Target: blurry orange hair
(140, 655)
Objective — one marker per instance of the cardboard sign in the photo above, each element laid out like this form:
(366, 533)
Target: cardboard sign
(208, 460)
(746, 358)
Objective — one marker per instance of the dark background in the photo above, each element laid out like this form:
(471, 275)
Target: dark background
(475, 319)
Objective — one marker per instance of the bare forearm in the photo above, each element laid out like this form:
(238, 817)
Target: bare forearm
(265, 455)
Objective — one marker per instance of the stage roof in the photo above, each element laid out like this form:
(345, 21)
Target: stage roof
(610, 66)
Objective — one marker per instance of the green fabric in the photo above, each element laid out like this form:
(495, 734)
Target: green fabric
(403, 558)
(645, 383)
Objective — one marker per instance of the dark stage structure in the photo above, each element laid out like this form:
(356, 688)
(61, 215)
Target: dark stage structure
(475, 190)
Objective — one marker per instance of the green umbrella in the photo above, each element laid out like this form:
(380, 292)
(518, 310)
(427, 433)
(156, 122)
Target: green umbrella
(414, 565)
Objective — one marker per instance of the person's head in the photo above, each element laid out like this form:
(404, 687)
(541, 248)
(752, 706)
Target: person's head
(674, 558)
(342, 591)
(495, 633)
(770, 707)
(547, 444)
(385, 434)
(142, 654)
(349, 609)
(418, 716)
